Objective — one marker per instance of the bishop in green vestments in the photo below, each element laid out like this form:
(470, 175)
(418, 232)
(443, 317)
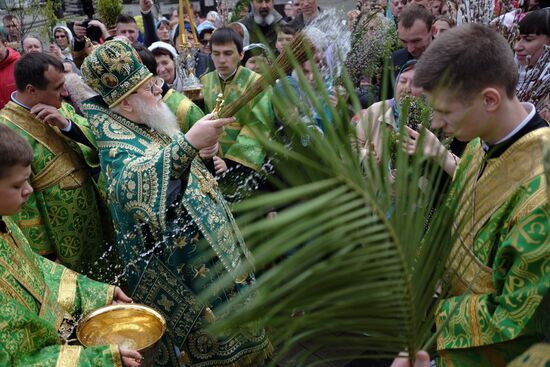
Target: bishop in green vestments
(175, 232)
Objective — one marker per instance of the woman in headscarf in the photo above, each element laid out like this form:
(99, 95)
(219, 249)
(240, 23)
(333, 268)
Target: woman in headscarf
(63, 38)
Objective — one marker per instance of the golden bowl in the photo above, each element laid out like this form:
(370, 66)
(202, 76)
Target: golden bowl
(131, 326)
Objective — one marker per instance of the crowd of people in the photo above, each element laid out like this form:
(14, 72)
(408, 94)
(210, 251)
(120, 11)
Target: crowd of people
(109, 171)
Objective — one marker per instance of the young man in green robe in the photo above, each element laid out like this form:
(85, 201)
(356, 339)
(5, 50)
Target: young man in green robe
(62, 218)
(174, 230)
(498, 303)
(240, 154)
(41, 299)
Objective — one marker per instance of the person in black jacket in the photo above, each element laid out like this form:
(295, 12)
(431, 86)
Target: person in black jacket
(415, 29)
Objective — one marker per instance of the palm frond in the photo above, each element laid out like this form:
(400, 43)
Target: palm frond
(351, 261)
(354, 256)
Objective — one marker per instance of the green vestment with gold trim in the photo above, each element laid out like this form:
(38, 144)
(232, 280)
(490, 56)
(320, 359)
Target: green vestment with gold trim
(238, 142)
(176, 236)
(501, 254)
(187, 112)
(90, 154)
(63, 216)
(37, 297)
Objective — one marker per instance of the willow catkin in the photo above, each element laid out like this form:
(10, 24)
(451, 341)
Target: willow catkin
(535, 87)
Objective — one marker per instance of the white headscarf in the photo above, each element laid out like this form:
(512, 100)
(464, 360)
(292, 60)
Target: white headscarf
(67, 50)
(246, 38)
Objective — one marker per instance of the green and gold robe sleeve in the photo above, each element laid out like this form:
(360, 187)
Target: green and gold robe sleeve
(64, 215)
(132, 164)
(501, 254)
(77, 294)
(90, 155)
(238, 142)
(185, 110)
(33, 295)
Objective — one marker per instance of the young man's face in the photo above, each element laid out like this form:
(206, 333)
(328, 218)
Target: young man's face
(61, 39)
(415, 39)
(55, 90)
(15, 189)
(226, 58)
(464, 121)
(128, 30)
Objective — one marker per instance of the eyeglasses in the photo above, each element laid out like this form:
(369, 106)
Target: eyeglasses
(150, 86)
(60, 36)
(205, 42)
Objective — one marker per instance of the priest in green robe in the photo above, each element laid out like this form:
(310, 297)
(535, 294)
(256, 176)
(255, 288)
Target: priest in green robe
(40, 299)
(174, 230)
(499, 278)
(62, 218)
(240, 154)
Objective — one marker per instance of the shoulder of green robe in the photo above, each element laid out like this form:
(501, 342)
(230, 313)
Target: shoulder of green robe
(114, 132)
(186, 111)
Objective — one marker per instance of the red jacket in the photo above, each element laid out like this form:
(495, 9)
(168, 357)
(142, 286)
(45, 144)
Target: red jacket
(7, 79)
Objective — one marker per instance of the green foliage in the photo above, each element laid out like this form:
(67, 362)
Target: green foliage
(237, 9)
(109, 11)
(353, 257)
(373, 41)
(51, 10)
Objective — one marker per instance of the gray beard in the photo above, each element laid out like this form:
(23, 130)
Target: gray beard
(159, 118)
(264, 20)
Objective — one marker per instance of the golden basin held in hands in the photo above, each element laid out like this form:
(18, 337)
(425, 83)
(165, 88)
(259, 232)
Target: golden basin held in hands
(131, 326)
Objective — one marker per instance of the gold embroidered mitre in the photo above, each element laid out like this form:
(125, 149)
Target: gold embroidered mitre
(114, 70)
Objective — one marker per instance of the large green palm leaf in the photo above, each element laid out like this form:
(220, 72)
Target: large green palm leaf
(351, 261)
